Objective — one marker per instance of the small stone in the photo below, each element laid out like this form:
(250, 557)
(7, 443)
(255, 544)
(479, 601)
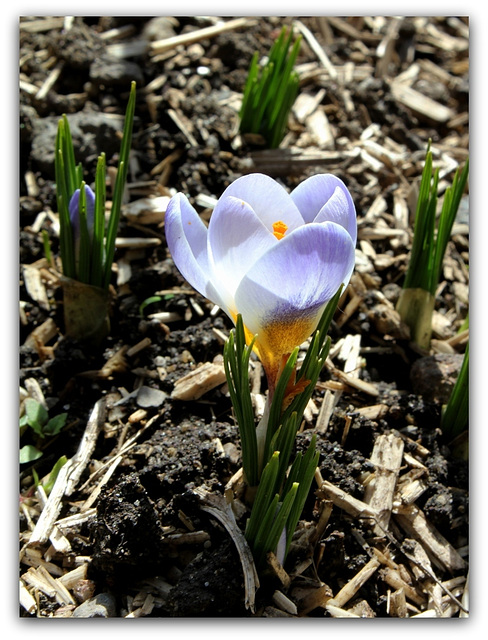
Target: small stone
(232, 452)
(149, 397)
(388, 322)
(109, 71)
(392, 291)
(433, 377)
(84, 590)
(160, 28)
(101, 606)
(91, 132)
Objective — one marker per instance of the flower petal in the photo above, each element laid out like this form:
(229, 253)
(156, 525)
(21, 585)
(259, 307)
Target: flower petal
(236, 240)
(283, 295)
(74, 210)
(270, 200)
(325, 197)
(186, 235)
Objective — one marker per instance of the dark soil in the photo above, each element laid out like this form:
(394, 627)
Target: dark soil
(150, 497)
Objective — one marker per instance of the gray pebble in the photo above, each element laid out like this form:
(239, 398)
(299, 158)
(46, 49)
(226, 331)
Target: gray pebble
(433, 377)
(100, 606)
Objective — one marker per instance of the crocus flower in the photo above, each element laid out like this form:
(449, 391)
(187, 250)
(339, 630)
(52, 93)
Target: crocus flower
(272, 257)
(74, 215)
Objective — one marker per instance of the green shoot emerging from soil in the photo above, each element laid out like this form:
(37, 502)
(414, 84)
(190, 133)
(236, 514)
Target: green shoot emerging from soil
(87, 246)
(270, 91)
(276, 262)
(416, 302)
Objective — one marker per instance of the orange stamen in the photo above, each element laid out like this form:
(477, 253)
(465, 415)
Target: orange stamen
(279, 229)
(293, 388)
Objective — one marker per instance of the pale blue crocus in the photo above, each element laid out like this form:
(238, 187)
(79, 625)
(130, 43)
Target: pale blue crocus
(273, 257)
(74, 215)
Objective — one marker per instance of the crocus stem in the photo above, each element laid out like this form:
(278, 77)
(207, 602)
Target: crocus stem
(415, 307)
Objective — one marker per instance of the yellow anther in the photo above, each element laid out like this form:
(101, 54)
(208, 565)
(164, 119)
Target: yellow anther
(279, 229)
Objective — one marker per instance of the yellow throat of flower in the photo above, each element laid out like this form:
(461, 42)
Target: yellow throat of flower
(273, 345)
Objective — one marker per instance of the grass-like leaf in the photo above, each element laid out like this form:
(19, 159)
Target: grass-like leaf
(236, 366)
(85, 242)
(278, 526)
(113, 223)
(273, 525)
(284, 441)
(63, 198)
(455, 418)
(98, 248)
(302, 472)
(450, 206)
(264, 496)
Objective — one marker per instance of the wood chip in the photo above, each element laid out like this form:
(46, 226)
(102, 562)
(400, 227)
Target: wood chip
(196, 383)
(34, 286)
(373, 412)
(397, 604)
(394, 578)
(284, 603)
(339, 612)
(26, 600)
(143, 344)
(166, 44)
(329, 403)
(352, 587)
(410, 491)
(69, 476)
(314, 598)
(316, 48)
(421, 104)
(34, 391)
(278, 570)
(71, 578)
(440, 551)
(320, 130)
(39, 25)
(305, 105)
(137, 243)
(148, 211)
(388, 322)
(41, 579)
(387, 457)
(356, 383)
(50, 81)
(41, 336)
(184, 125)
(349, 504)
